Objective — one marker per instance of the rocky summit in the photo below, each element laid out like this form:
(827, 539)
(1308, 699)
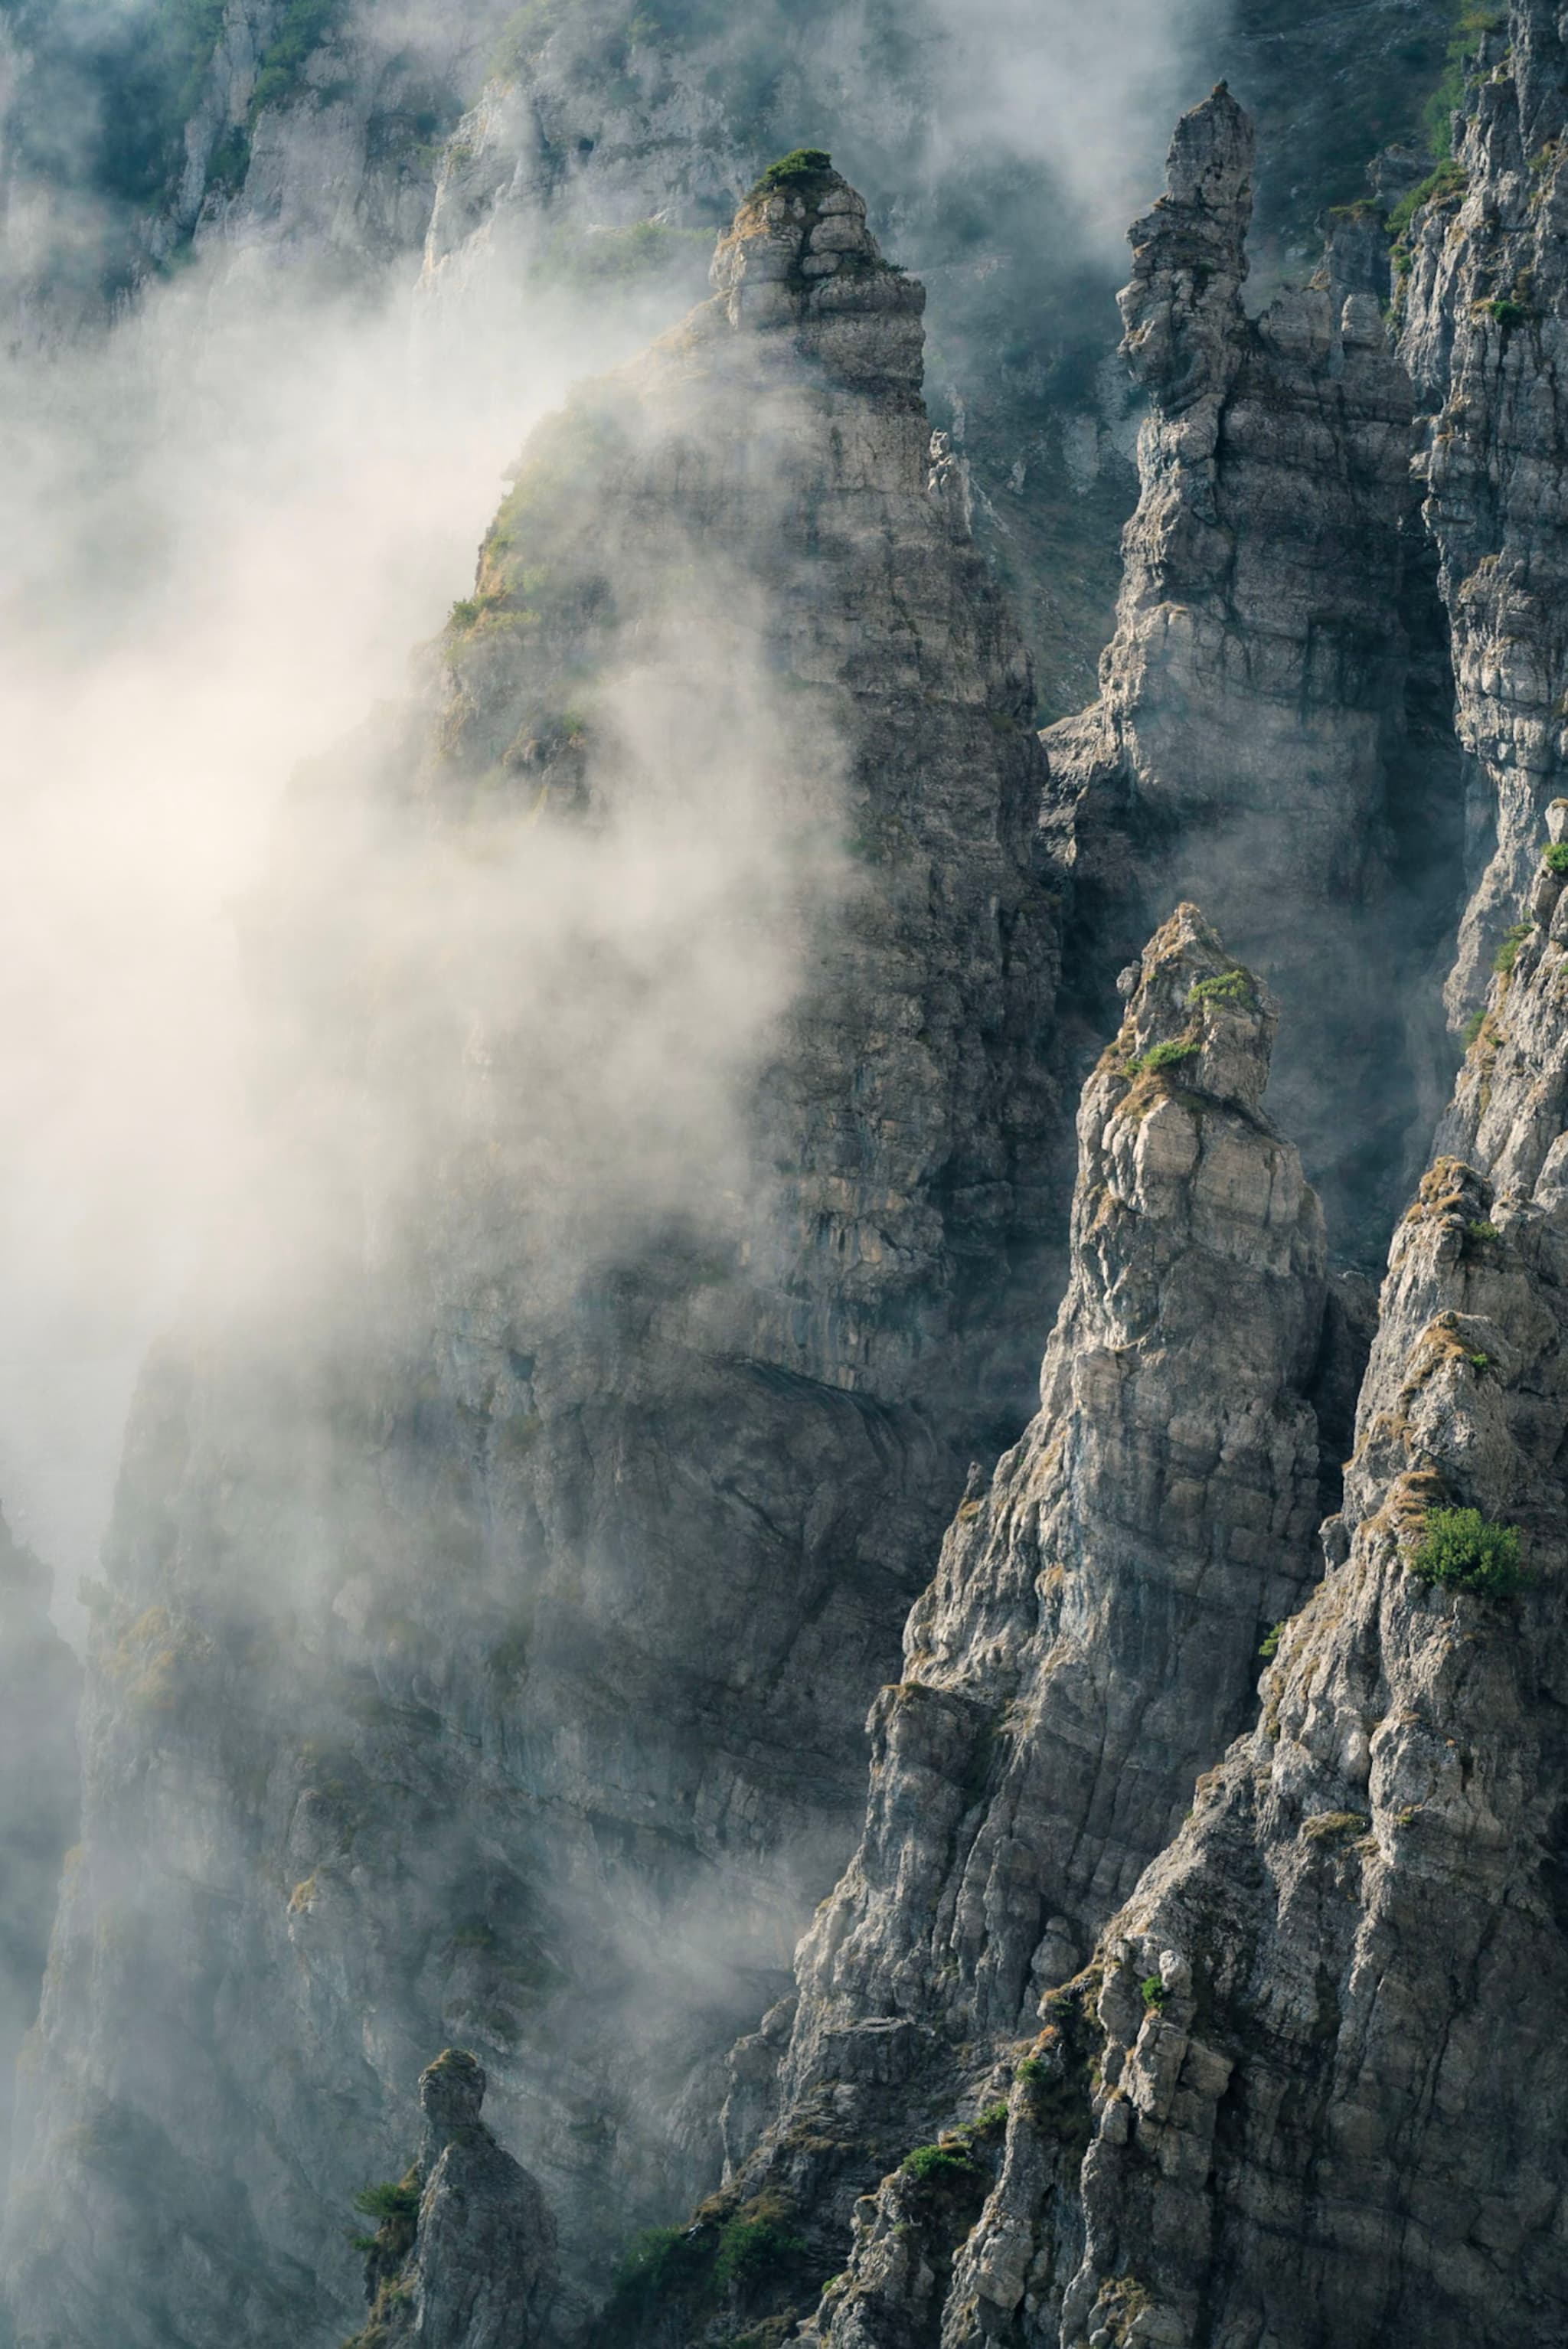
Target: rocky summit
(832, 1615)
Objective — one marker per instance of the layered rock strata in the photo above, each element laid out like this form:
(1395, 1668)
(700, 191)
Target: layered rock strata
(1304, 2093)
(1250, 744)
(466, 2257)
(1089, 1641)
(1484, 300)
(657, 1033)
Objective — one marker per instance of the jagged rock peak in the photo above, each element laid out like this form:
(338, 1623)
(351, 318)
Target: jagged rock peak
(479, 2271)
(1196, 1009)
(1089, 1640)
(1182, 309)
(800, 254)
(1270, 663)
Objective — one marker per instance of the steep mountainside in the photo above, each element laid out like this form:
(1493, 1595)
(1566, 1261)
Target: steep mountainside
(1087, 1645)
(667, 1024)
(1482, 328)
(1261, 740)
(497, 1582)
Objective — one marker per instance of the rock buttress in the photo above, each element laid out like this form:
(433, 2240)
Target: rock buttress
(1261, 742)
(495, 1587)
(1088, 1643)
(1482, 327)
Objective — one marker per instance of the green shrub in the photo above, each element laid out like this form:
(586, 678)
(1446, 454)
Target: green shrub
(1481, 1233)
(1229, 987)
(928, 2161)
(1507, 954)
(800, 164)
(752, 2248)
(1032, 2070)
(1269, 1648)
(1152, 1991)
(658, 2261)
(1460, 1549)
(1160, 1056)
(1508, 313)
(1556, 857)
(1473, 1027)
(394, 2204)
(1447, 180)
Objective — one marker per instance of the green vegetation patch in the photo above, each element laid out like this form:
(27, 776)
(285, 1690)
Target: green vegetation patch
(794, 170)
(755, 2244)
(1472, 25)
(953, 2158)
(1556, 858)
(394, 2204)
(1445, 185)
(1507, 954)
(1152, 1991)
(1160, 1056)
(1232, 987)
(306, 26)
(1462, 1550)
(1269, 1648)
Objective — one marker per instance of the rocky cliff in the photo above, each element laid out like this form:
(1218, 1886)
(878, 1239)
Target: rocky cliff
(1087, 1645)
(503, 1557)
(1252, 743)
(1483, 320)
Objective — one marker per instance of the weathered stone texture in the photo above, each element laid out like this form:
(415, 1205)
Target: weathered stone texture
(494, 1596)
(1249, 748)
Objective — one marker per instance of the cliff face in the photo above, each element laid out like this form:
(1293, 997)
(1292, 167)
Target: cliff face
(1088, 1643)
(1482, 325)
(1303, 2092)
(1252, 745)
(495, 1587)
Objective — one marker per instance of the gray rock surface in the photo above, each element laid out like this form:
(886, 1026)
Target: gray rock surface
(497, 1579)
(1265, 688)
(1305, 2091)
(1089, 1640)
(480, 2270)
(1483, 326)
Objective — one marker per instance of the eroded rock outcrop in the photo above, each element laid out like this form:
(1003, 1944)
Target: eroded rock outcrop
(1482, 328)
(1269, 673)
(1088, 1643)
(657, 1039)
(467, 2258)
(1306, 2092)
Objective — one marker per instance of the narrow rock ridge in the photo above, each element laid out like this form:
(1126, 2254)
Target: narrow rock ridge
(465, 2259)
(1306, 2092)
(1484, 307)
(1252, 745)
(492, 1601)
(1089, 1641)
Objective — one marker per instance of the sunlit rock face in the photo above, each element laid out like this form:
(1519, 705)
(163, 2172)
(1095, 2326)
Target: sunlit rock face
(1481, 330)
(655, 1027)
(1270, 737)
(1087, 1646)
